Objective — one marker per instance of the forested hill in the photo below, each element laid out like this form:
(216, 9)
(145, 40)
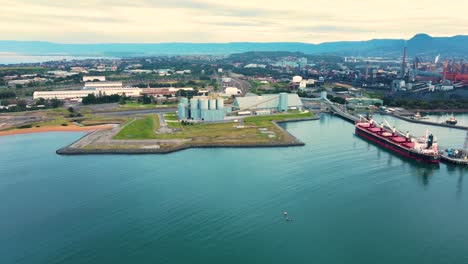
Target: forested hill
(421, 44)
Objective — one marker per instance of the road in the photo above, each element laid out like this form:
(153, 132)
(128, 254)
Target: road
(244, 86)
(133, 112)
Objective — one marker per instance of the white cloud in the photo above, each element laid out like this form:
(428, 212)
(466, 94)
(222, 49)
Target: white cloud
(97, 21)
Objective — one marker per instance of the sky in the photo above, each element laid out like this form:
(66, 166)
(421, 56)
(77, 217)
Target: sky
(200, 21)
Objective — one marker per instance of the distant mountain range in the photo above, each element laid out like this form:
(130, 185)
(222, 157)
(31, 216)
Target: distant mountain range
(420, 45)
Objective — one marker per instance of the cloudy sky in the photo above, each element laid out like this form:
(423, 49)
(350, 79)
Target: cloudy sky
(312, 21)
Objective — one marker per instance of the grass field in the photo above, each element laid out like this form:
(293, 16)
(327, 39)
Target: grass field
(143, 128)
(136, 105)
(170, 116)
(213, 133)
(263, 121)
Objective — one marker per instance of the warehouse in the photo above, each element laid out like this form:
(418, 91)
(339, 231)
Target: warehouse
(268, 103)
(74, 94)
(102, 85)
(364, 101)
(201, 108)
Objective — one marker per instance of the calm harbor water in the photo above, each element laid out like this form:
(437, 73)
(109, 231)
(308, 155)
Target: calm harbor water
(15, 58)
(462, 118)
(351, 201)
(446, 137)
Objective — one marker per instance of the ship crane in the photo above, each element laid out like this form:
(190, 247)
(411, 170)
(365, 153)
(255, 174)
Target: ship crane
(382, 125)
(393, 128)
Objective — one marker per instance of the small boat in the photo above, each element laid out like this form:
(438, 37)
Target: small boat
(451, 120)
(417, 116)
(457, 156)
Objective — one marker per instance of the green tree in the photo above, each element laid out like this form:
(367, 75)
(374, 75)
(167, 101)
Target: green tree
(21, 104)
(41, 101)
(55, 103)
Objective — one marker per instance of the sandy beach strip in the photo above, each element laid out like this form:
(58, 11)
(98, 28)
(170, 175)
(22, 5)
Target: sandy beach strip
(70, 128)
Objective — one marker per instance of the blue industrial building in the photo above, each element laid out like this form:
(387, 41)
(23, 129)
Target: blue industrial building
(203, 109)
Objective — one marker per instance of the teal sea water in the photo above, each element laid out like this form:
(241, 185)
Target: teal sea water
(462, 118)
(351, 202)
(15, 58)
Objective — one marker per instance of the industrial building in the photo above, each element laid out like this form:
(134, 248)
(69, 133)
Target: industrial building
(161, 92)
(232, 91)
(201, 108)
(364, 101)
(266, 104)
(102, 85)
(75, 94)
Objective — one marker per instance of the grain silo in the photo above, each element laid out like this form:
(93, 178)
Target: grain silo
(194, 109)
(220, 104)
(283, 102)
(212, 104)
(184, 101)
(204, 109)
(181, 111)
(203, 104)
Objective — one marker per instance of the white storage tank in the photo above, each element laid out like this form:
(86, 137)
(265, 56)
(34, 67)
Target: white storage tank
(193, 103)
(203, 104)
(220, 103)
(297, 79)
(212, 104)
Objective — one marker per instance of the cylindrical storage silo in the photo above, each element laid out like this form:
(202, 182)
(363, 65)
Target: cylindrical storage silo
(220, 103)
(181, 111)
(184, 100)
(212, 104)
(194, 109)
(193, 104)
(283, 102)
(204, 104)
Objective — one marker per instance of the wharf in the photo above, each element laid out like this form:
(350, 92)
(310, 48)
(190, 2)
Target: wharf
(346, 116)
(426, 122)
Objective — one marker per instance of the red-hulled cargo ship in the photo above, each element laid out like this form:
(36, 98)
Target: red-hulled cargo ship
(421, 149)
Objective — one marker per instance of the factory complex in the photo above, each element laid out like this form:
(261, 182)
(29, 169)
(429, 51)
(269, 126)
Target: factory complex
(203, 108)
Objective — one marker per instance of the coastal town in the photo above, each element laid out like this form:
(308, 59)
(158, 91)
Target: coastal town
(252, 132)
(163, 104)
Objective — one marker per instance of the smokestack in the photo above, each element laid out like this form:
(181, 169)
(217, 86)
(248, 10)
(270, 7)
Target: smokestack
(367, 70)
(403, 63)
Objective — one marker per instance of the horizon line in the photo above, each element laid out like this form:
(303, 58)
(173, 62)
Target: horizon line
(264, 42)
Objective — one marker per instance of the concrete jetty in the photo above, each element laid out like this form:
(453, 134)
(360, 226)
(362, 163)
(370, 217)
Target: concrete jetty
(426, 122)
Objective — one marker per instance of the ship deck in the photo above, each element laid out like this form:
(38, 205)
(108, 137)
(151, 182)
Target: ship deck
(409, 148)
(384, 134)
